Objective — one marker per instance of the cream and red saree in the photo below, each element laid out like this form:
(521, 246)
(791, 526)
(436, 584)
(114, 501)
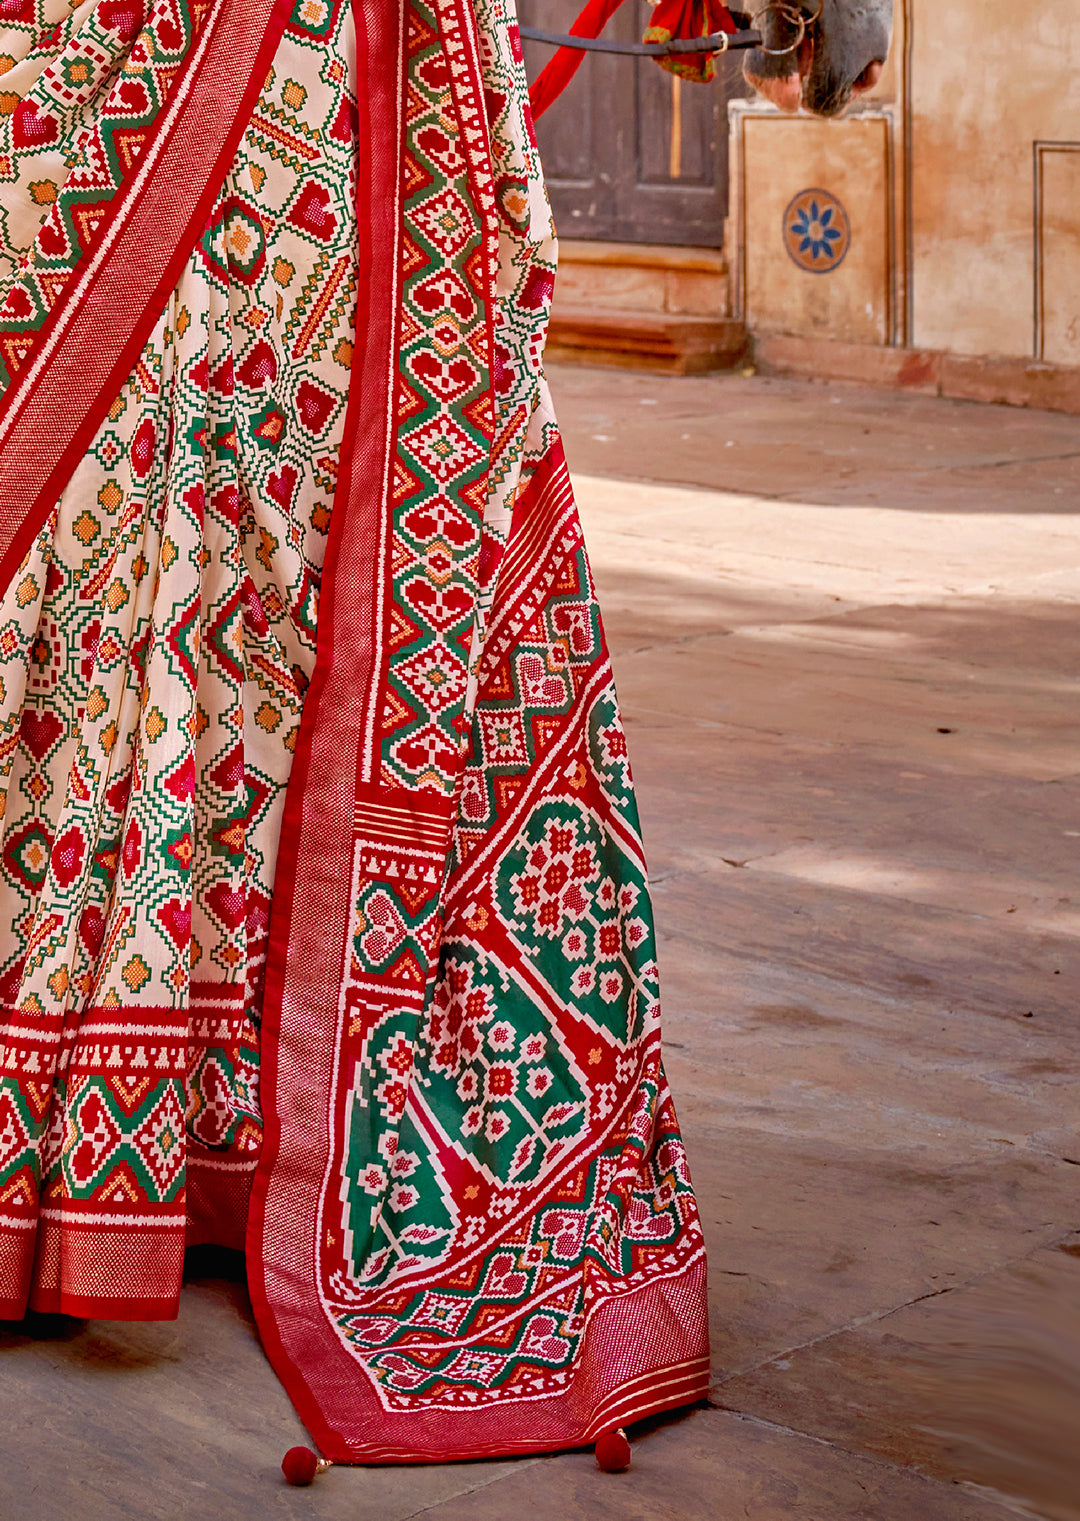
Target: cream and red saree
(324, 923)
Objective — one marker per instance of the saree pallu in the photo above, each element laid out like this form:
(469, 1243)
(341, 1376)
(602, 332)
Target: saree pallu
(324, 922)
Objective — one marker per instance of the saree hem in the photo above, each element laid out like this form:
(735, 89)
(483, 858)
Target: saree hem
(317, 698)
(96, 1307)
(614, 1386)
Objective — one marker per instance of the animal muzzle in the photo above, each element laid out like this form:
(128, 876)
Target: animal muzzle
(820, 61)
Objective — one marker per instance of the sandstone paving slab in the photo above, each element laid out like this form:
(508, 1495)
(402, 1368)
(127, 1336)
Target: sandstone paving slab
(869, 551)
(810, 1235)
(715, 1465)
(176, 1421)
(832, 443)
(883, 944)
(834, 697)
(665, 595)
(1038, 639)
(795, 1073)
(982, 844)
(1048, 483)
(981, 1383)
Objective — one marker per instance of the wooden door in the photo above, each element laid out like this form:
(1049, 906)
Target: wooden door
(631, 152)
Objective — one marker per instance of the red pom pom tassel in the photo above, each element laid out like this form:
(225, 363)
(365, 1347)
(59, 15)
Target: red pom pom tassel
(613, 1451)
(300, 1465)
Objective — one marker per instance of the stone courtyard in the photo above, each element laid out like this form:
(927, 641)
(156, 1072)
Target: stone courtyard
(844, 627)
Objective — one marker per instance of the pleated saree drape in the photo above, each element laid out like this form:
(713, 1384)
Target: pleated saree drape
(324, 923)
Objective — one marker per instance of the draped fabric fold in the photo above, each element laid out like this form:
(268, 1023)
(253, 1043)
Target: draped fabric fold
(683, 19)
(565, 62)
(324, 922)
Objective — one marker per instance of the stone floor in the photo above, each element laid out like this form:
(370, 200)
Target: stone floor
(844, 626)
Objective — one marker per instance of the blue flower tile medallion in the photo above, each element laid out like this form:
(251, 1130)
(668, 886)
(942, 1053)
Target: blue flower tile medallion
(817, 233)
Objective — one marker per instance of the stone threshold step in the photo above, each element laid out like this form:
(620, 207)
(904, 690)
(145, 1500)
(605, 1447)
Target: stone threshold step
(675, 258)
(667, 342)
(1006, 380)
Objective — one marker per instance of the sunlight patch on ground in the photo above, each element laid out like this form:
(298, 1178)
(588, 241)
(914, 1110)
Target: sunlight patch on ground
(984, 893)
(850, 552)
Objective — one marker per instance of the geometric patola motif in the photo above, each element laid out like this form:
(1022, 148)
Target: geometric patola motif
(503, 1168)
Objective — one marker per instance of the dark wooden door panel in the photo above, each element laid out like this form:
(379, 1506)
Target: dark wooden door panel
(579, 141)
(631, 152)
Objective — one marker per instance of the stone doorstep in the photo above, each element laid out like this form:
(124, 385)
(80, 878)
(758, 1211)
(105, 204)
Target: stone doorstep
(665, 342)
(644, 277)
(1006, 380)
(679, 257)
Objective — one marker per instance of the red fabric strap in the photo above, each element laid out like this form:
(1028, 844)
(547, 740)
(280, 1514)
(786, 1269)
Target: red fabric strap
(556, 75)
(675, 18)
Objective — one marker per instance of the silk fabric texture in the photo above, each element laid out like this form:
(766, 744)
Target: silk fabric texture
(324, 922)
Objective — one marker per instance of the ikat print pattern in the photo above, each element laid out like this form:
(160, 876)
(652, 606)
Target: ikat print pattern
(510, 1156)
(444, 430)
(84, 89)
(154, 653)
(512, 1160)
(504, 1161)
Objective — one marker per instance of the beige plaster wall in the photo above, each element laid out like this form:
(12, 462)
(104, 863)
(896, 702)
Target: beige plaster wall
(1058, 255)
(782, 156)
(988, 79)
(981, 255)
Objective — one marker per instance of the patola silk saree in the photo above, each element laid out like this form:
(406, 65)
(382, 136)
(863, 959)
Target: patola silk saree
(324, 923)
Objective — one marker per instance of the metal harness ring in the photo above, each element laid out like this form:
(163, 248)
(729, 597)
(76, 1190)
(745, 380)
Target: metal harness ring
(790, 14)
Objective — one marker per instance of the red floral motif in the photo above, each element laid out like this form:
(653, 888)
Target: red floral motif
(440, 517)
(68, 855)
(258, 366)
(444, 291)
(443, 449)
(96, 1137)
(609, 940)
(503, 738)
(124, 17)
(540, 687)
(227, 903)
(442, 378)
(538, 289)
(442, 607)
(92, 928)
(435, 676)
(141, 453)
(314, 406)
(159, 1141)
(174, 916)
(131, 854)
(31, 128)
(427, 752)
(40, 731)
(501, 1081)
(445, 221)
(386, 931)
(311, 213)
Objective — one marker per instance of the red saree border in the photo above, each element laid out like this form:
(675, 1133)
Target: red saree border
(91, 342)
(456, 23)
(74, 1268)
(17, 1244)
(308, 920)
(218, 1188)
(649, 1363)
(635, 1327)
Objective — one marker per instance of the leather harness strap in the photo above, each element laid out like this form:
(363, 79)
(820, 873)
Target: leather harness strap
(733, 30)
